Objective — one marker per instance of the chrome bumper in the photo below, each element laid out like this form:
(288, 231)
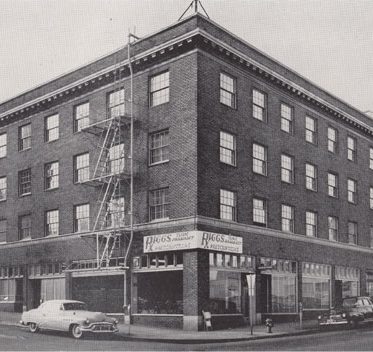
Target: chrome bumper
(99, 328)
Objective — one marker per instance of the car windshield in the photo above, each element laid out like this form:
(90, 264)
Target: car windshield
(74, 306)
(349, 302)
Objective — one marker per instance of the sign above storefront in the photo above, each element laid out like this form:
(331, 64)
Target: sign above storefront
(178, 241)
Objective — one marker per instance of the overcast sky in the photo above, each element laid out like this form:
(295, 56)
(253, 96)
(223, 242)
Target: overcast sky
(329, 42)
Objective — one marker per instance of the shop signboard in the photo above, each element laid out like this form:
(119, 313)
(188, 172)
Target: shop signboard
(193, 240)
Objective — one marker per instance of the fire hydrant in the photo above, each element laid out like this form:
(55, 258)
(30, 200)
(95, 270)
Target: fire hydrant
(269, 325)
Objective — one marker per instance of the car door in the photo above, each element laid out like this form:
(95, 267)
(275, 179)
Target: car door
(50, 316)
(369, 307)
(361, 307)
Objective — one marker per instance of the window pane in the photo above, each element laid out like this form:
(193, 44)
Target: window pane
(159, 147)
(227, 148)
(159, 89)
(227, 205)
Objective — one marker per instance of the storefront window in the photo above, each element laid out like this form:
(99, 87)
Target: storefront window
(349, 288)
(283, 294)
(347, 281)
(225, 292)
(316, 293)
(160, 292)
(316, 286)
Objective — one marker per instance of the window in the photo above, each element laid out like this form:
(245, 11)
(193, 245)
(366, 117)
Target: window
(332, 185)
(351, 191)
(287, 169)
(333, 228)
(24, 137)
(259, 212)
(311, 130)
(52, 223)
(227, 90)
(2, 230)
(227, 148)
(311, 224)
(3, 141)
(51, 175)
(24, 227)
(160, 89)
(332, 140)
(159, 204)
(81, 167)
(259, 159)
(311, 177)
(352, 232)
(159, 147)
(286, 118)
(24, 182)
(287, 218)
(81, 116)
(81, 217)
(371, 237)
(116, 103)
(115, 212)
(370, 158)
(3, 188)
(228, 205)
(259, 105)
(51, 128)
(351, 148)
(116, 159)
(370, 196)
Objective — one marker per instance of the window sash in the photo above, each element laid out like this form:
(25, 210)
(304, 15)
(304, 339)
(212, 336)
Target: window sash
(227, 90)
(81, 116)
(52, 175)
(228, 205)
(25, 137)
(351, 190)
(259, 105)
(81, 218)
(160, 89)
(159, 147)
(3, 145)
(352, 233)
(24, 227)
(333, 228)
(287, 166)
(259, 211)
(311, 177)
(351, 148)
(3, 188)
(52, 128)
(227, 148)
(3, 230)
(332, 139)
(52, 223)
(159, 204)
(287, 218)
(286, 118)
(311, 224)
(259, 159)
(310, 130)
(24, 182)
(81, 165)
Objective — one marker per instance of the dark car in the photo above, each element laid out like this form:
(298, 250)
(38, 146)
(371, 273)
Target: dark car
(350, 312)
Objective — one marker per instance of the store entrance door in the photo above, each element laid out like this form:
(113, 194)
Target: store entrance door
(338, 292)
(265, 293)
(35, 293)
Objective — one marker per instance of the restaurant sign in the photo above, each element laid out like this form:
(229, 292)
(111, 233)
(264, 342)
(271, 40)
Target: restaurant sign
(192, 240)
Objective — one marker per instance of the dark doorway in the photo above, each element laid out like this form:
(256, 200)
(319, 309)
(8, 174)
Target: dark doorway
(19, 296)
(265, 293)
(35, 293)
(338, 292)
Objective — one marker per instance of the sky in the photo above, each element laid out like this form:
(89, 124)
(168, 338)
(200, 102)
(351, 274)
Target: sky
(330, 42)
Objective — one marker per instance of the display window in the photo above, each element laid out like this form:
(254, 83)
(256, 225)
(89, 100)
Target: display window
(316, 279)
(347, 282)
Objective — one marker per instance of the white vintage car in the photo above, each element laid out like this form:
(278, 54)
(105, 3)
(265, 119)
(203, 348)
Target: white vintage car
(70, 316)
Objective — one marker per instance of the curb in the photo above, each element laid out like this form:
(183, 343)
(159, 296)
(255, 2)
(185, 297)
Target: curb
(214, 340)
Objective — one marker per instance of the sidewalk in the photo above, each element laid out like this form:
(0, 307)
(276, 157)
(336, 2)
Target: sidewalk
(139, 332)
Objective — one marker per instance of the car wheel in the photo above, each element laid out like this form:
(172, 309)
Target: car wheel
(33, 327)
(76, 331)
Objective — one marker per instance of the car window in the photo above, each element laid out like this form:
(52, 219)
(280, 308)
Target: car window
(349, 302)
(360, 302)
(366, 302)
(75, 306)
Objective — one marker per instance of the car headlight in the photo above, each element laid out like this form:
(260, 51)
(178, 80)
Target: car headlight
(319, 317)
(87, 321)
(116, 321)
(344, 315)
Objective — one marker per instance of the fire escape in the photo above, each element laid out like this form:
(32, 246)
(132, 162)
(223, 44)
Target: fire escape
(113, 173)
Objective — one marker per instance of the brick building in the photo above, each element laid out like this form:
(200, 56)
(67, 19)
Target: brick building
(252, 187)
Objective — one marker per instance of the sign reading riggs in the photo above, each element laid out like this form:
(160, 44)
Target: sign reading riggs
(192, 239)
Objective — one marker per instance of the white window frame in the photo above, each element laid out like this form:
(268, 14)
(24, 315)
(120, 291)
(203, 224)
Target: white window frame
(115, 103)
(3, 229)
(287, 118)
(333, 228)
(332, 140)
(333, 186)
(24, 137)
(52, 223)
(81, 217)
(159, 204)
(3, 145)
(228, 205)
(228, 90)
(371, 197)
(81, 116)
(81, 167)
(3, 188)
(311, 177)
(228, 148)
(287, 218)
(24, 186)
(260, 158)
(52, 128)
(260, 211)
(51, 175)
(259, 105)
(311, 224)
(352, 235)
(287, 174)
(351, 191)
(159, 89)
(24, 232)
(159, 147)
(351, 148)
(311, 130)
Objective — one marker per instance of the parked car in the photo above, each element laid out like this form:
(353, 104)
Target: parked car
(70, 316)
(350, 312)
